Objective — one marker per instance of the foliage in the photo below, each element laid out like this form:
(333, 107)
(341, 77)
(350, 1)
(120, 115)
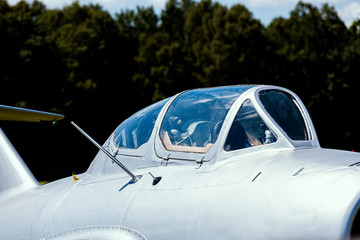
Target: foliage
(99, 69)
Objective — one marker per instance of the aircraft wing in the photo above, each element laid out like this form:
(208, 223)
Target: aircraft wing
(8, 113)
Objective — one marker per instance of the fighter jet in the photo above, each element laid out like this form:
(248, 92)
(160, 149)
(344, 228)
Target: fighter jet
(232, 162)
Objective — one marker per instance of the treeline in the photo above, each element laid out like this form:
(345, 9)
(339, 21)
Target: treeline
(98, 69)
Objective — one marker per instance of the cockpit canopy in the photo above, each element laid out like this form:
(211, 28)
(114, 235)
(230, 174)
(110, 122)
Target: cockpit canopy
(202, 123)
(193, 121)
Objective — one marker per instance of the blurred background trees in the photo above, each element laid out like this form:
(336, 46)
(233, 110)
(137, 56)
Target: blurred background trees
(98, 69)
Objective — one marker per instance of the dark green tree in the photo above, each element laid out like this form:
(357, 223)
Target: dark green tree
(29, 77)
(201, 44)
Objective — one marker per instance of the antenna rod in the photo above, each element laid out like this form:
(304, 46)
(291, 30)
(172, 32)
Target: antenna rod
(133, 177)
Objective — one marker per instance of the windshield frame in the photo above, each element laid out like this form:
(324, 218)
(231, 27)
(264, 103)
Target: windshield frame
(282, 142)
(309, 143)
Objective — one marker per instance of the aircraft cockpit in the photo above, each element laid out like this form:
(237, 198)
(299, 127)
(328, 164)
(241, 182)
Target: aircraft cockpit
(210, 124)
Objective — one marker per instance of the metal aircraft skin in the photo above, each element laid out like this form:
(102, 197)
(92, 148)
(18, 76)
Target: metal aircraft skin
(234, 162)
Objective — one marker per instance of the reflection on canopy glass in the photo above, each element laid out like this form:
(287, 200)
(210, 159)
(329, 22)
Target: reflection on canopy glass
(193, 121)
(136, 130)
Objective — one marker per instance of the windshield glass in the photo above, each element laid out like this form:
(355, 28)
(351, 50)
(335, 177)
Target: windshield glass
(284, 109)
(137, 129)
(194, 119)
